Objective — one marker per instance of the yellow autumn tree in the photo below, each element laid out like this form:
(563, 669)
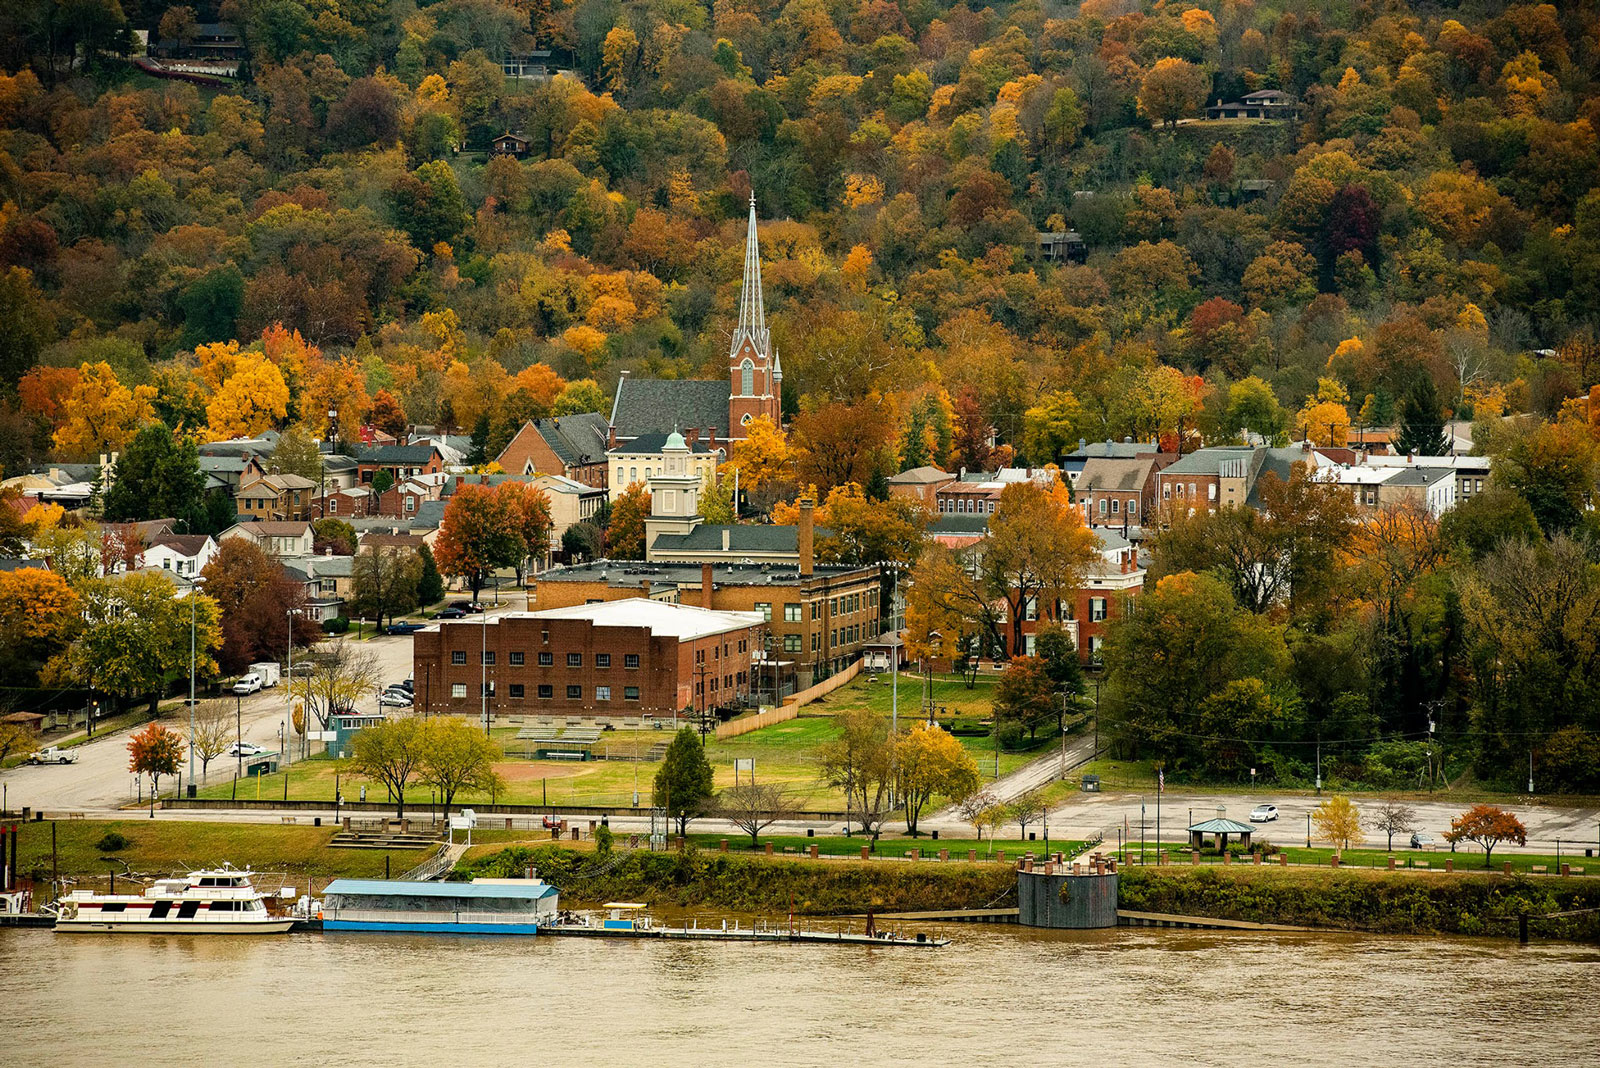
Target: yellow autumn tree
(856, 267)
(617, 56)
(102, 414)
(763, 459)
(1325, 421)
(339, 386)
(252, 399)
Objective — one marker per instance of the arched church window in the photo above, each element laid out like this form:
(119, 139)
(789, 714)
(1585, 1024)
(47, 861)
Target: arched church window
(747, 377)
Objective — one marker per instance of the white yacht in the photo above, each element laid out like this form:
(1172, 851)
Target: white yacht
(212, 901)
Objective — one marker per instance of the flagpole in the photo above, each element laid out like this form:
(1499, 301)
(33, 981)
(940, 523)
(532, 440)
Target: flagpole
(1161, 786)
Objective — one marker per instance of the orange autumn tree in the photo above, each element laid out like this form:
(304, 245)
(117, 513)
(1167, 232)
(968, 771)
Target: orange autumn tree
(1037, 551)
(482, 531)
(155, 751)
(625, 534)
(1487, 826)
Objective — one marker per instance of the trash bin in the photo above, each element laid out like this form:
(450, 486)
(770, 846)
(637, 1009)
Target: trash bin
(1033, 836)
(191, 791)
(316, 821)
(811, 832)
(935, 836)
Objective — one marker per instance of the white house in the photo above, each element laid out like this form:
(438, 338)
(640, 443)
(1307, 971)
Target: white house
(182, 554)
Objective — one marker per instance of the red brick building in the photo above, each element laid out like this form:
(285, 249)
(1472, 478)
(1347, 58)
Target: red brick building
(629, 658)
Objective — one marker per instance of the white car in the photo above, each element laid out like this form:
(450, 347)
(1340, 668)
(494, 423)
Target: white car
(394, 698)
(239, 749)
(248, 684)
(1263, 813)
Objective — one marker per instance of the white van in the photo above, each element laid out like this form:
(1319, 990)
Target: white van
(247, 684)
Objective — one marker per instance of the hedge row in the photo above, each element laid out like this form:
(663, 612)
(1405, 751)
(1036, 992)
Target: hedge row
(1391, 904)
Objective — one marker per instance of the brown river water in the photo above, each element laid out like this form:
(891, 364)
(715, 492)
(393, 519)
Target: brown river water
(998, 995)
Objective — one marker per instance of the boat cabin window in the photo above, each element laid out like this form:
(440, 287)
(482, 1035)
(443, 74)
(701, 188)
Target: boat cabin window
(159, 910)
(114, 906)
(187, 910)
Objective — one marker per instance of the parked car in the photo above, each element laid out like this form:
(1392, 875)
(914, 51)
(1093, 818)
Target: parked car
(1421, 840)
(408, 685)
(239, 749)
(1263, 813)
(451, 613)
(248, 684)
(403, 628)
(52, 755)
(394, 698)
(472, 606)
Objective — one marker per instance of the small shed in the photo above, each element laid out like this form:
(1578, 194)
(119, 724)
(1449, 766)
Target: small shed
(1221, 828)
(510, 144)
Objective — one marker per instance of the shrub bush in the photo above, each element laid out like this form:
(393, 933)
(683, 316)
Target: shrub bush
(336, 625)
(111, 842)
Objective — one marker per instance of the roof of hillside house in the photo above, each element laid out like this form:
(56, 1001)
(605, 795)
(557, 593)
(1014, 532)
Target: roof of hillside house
(563, 485)
(1124, 450)
(660, 406)
(183, 544)
(263, 444)
(337, 462)
(921, 476)
(429, 516)
(960, 523)
(1208, 461)
(399, 454)
(327, 565)
(664, 619)
(1418, 476)
(576, 439)
(742, 538)
(653, 443)
(225, 465)
(379, 540)
(1104, 473)
(17, 563)
(1109, 540)
(273, 529)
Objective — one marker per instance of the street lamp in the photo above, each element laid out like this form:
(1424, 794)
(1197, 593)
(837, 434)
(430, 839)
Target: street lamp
(333, 430)
(195, 582)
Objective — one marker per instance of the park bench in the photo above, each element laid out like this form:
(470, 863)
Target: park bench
(288, 819)
(564, 754)
(1575, 870)
(1540, 869)
(79, 816)
(1419, 864)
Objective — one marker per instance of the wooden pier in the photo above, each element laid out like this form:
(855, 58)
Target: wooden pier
(749, 934)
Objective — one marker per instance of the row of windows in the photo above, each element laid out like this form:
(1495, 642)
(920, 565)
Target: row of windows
(966, 506)
(1116, 505)
(1168, 492)
(547, 692)
(458, 657)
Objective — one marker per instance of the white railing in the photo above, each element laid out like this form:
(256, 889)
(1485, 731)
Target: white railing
(442, 916)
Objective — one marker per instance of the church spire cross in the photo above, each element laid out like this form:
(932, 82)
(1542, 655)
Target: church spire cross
(752, 312)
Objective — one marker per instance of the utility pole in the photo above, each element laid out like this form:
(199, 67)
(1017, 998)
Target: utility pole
(483, 672)
(194, 586)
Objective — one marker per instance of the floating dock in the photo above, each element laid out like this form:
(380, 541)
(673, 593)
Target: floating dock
(748, 934)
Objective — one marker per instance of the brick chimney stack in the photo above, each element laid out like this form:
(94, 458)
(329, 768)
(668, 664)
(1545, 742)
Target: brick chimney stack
(805, 536)
(705, 585)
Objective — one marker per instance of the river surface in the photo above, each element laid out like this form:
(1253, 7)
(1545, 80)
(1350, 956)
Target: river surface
(998, 995)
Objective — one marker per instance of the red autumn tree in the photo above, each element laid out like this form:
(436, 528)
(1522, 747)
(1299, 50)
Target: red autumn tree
(1488, 826)
(256, 598)
(155, 751)
(480, 533)
(387, 415)
(530, 513)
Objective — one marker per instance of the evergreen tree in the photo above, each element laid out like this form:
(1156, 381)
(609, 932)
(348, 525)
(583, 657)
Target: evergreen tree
(157, 477)
(430, 585)
(683, 785)
(1421, 425)
(478, 454)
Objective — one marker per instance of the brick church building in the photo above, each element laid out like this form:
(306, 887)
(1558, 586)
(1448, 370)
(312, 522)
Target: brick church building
(711, 413)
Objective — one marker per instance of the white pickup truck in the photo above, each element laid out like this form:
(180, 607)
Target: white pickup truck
(52, 755)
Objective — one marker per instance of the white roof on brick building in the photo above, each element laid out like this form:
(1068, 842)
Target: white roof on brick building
(681, 621)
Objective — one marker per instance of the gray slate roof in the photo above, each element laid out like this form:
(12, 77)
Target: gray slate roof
(429, 516)
(960, 523)
(633, 573)
(398, 454)
(741, 539)
(1222, 826)
(659, 406)
(655, 442)
(576, 439)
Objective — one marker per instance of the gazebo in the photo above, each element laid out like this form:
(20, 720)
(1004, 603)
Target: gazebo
(1222, 828)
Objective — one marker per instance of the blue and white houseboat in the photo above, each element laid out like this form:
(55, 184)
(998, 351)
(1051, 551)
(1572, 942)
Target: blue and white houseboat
(483, 906)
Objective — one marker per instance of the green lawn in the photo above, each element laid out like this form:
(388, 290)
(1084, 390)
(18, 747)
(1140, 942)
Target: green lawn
(892, 846)
(1465, 861)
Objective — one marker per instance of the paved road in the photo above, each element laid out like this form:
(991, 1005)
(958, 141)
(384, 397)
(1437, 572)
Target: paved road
(100, 779)
(1087, 814)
